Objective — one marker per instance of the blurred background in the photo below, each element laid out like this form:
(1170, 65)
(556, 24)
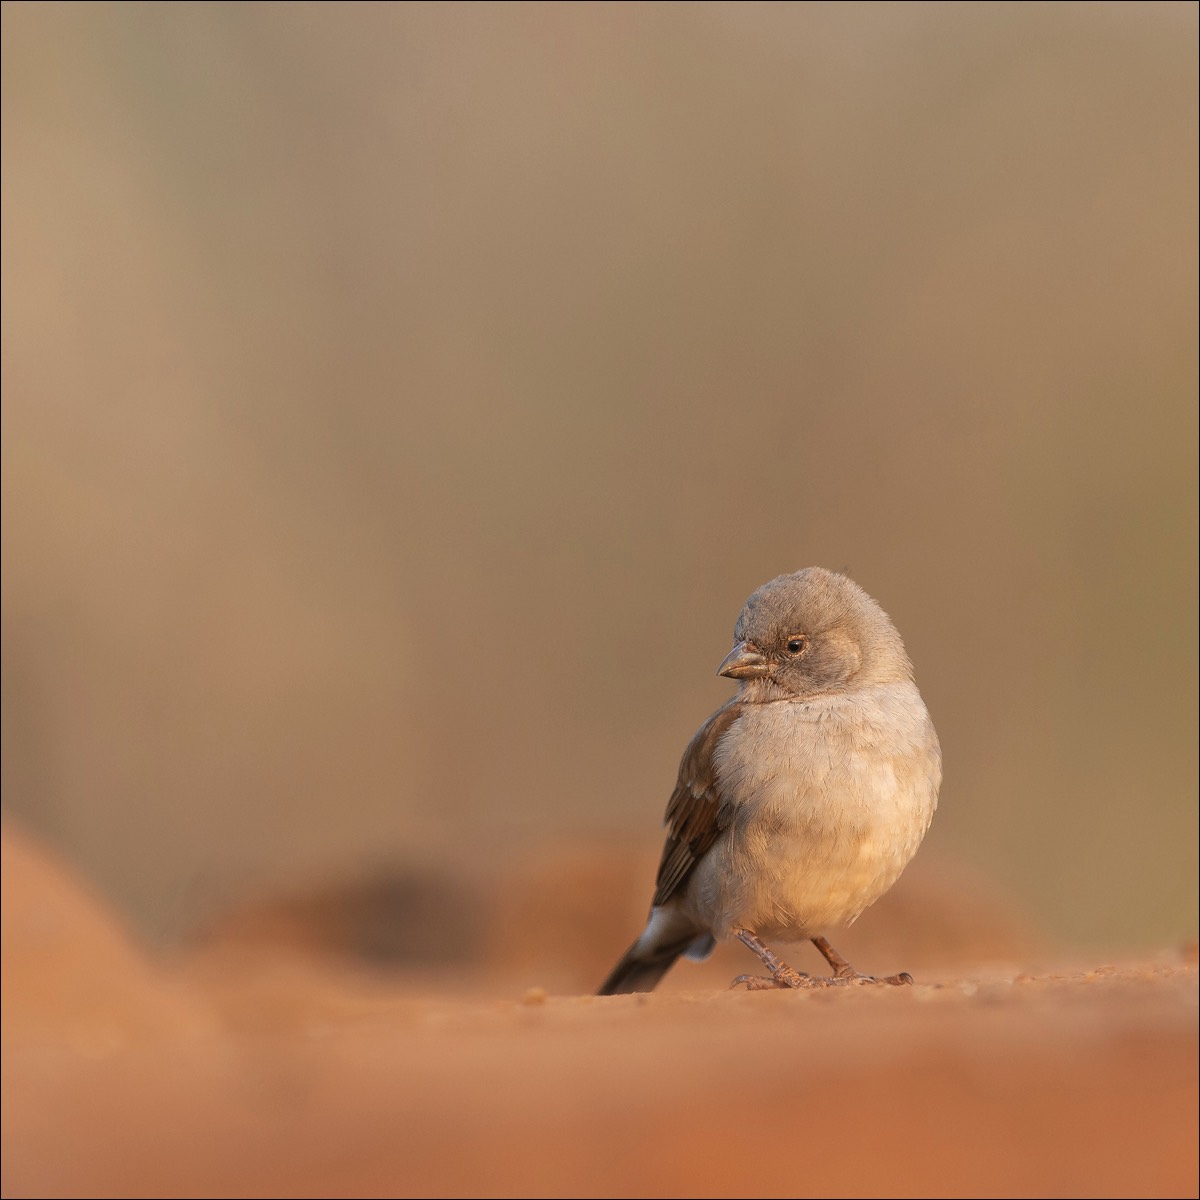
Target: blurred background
(400, 401)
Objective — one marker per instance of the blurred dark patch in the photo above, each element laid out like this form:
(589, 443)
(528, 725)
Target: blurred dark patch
(394, 918)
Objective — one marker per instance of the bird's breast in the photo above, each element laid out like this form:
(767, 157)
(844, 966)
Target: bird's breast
(828, 799)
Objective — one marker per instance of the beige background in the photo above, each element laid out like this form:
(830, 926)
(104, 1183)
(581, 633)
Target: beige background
(400, 401)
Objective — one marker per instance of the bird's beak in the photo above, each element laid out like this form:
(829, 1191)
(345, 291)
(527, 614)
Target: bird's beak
(743, 663)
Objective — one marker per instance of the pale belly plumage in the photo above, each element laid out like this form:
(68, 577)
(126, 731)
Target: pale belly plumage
(826, 818)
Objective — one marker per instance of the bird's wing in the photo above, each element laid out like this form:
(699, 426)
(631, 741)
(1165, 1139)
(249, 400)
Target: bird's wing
(696, 813)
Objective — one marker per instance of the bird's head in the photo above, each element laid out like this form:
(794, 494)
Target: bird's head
(812, 633)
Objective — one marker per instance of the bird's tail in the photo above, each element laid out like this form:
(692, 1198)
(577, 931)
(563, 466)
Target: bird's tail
(636, 974)
(641, 968)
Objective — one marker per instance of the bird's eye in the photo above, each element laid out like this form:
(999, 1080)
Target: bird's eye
(796, 645)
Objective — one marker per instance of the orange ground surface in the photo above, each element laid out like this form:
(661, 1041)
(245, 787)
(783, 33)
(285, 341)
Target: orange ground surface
(239, 1073)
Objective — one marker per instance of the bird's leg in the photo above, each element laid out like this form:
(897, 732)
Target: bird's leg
(782, 976)
(843, 972)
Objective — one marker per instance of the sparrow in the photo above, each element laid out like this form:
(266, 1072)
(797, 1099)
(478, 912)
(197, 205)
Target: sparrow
(800, 801)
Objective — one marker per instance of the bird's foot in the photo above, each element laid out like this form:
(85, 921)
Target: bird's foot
(783, 977)
(787, 978)
(844, 973)
(854, 978)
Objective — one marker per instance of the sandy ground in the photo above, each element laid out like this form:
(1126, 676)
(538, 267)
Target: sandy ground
(237, 1072)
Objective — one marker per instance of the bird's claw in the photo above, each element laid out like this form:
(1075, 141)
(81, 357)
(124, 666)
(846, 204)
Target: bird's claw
(904, 979)
(784, 977)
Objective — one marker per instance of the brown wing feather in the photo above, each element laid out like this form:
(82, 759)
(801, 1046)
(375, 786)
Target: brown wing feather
(695, 813)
